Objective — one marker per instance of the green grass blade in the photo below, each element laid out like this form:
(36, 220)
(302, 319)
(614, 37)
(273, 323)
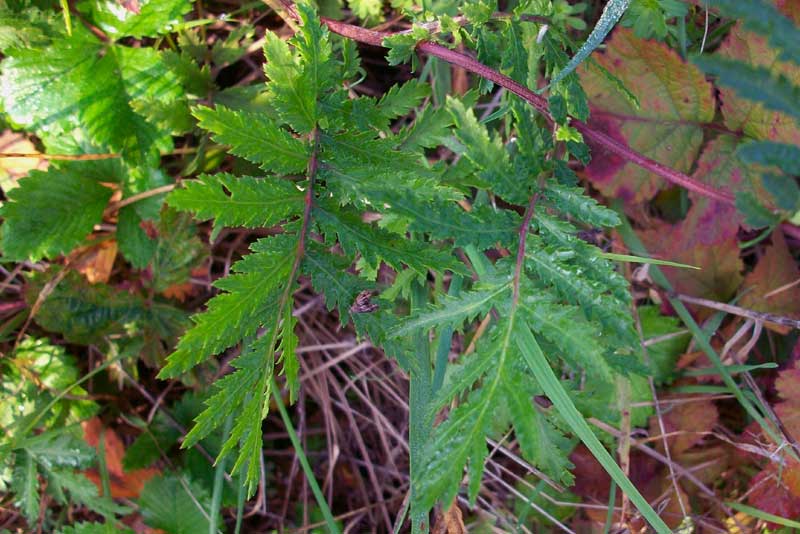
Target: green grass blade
(219, 480)
(330, 522)
(638, 259)
(538, 364)
(766, 516)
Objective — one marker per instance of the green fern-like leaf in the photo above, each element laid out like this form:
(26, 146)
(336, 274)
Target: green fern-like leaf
(255, 137)
(249, 302)
(238, 200)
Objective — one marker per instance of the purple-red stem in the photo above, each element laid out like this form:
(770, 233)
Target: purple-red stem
(540, 104)
(523, 235)
(614, 146)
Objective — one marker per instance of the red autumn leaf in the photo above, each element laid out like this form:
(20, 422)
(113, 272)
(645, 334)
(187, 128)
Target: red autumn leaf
(182, 291)
(770, 494)
(675, 100)
(123, 484)
(788, 411)
(685, 424)
(707, 237)
(776, 269)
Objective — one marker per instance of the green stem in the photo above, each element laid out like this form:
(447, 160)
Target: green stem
(419, 421)
(219, 481)
(301, 456)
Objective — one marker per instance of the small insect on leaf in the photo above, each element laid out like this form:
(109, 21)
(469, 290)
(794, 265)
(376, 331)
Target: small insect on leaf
(362, 303)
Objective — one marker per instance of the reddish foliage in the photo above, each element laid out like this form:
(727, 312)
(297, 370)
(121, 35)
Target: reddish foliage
(123, 484)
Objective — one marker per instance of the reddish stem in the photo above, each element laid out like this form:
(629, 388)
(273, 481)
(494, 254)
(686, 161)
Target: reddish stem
(540, 104)
(673, 176)
(523, 236)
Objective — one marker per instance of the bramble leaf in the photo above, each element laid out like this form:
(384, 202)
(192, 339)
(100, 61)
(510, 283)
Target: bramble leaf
(674, 98)
(80, 79)
(51, 213)
(144, 18)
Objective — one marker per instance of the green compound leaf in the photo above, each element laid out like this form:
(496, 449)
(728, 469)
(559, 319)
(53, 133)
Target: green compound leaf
(51, 213)
(249, 301)
(375, 244)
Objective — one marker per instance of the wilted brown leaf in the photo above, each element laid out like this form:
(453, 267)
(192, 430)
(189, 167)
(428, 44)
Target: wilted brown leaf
(126, 485)
(12, 169)
(96, 262)
(775, 269)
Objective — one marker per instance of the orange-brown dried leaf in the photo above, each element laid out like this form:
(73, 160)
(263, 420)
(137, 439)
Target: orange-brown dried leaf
(769, 493)
(127, 485)
(182, 291)
(450, 521)
(96, 262)
(775, 269)
(675, 100)
(788, 410)
(12, 169)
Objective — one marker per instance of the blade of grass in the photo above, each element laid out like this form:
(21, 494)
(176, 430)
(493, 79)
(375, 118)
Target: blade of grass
(301, 456)
(612, 499)
(538, 364)
(102, 464)
(732, 369)
(445, 340)
(612, 12)
(766, 516)
(241, 498)
(67, 17)
(419, 400)
(638, 259)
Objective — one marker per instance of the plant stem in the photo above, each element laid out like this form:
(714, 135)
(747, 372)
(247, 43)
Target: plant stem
(374, 38)
(301, 456)
(419, 427)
